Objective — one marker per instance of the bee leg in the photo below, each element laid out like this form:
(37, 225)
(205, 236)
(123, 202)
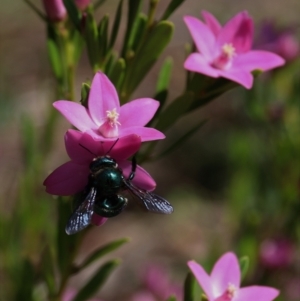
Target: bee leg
(133, 168)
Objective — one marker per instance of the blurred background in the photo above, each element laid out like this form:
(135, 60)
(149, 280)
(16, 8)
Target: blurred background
(234, 185)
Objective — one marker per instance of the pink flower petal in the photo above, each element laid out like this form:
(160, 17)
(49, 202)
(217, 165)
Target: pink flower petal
(202, 278)
(103, 97)
(239, 32)
(197, 63)
(67, 179)
(76, 114)
(118, 148)
(98, 220)
(211, 22)
(203, 37)
(257, 293)
(240, 76)
(142, 178)
(258, 59)
(225, 271)
(138, 112)
(146, 134)
(78, 152)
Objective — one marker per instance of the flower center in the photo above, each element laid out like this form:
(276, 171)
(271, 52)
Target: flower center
(109, 128)
(224, 60)
(229, 293)
(112, 117)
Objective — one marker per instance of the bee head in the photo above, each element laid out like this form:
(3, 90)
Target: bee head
(102, 162)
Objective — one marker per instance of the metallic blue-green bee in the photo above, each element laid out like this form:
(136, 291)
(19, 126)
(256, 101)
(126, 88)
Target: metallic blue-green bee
(103, 194)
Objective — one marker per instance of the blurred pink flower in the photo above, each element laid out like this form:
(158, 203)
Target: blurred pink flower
(223, 284)
(157, 285)
(282, 41)
(72, 177)
(105, 119)
(276, 253)
(226, 51)
(82, 4)
(55, 9)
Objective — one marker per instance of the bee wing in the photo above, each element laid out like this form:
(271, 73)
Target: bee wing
(151, 201)
(82, 215)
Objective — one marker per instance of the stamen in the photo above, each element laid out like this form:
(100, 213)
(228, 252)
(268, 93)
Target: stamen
(224, 60)
(109, 128)
(112, 117)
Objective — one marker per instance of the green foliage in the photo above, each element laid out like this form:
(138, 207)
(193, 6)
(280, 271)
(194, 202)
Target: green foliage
(244, 265)
(189, 286)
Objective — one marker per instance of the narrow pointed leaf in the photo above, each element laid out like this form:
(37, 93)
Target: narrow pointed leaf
(103, 251)
(96, 281)
(189, 285)
(181, 140)
(134, 7)
(116, 25)
(174, 111)
(78, 45)
(92, 41)
(117, 73)
(174, 4)
(244, 266)
(73, 13)
(146, 56)
(138, 31)
(164, 75)
(103, 37)
(85, 90)
(54, 57)
(172, 298)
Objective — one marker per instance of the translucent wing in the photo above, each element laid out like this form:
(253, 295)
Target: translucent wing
(82, 216)
(151, 201)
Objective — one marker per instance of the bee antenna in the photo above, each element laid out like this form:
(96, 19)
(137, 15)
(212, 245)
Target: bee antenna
(112, 147)
(87, 149)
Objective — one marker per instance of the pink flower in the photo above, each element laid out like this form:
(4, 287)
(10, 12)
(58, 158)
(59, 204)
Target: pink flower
(223, 284)
(82, 4)
(105, 119)
(55, 9)
(72, 177)
(226, 51)
(276, 253)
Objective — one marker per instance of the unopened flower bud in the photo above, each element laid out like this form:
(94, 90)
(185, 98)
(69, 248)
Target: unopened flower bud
(55, 10)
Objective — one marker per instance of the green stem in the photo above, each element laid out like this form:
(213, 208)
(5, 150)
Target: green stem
(152, 9)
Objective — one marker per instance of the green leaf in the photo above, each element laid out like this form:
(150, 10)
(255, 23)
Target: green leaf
(54, 55)
(103, 37)
(116, 25)
(78, 44)
(134, 7)
(146, 56)
(189, 285)
(48, 270)
(244, 266)
(96, 281)
(66, 244)
(138, 31)
(117, 73)
(164, 75)
(174, 111)
(173, 5)
(25, 283)
(103, 251)
(181, 140)
(73, 13)
(92, 41)
(85, 90)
